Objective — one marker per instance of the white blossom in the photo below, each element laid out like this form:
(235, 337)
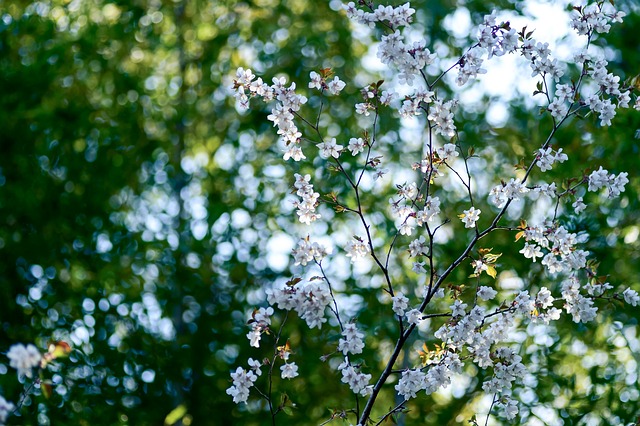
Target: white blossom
(441, 117)
(357, 381)
(363, 108)
(631, 297)
(602, 179)
(470, 65)
(414, 316)
(356, 145)
(309, 300)
(418, 247)
(357, 249)
(597, 289)
(447, 152)
(544, 298)
(400, 303)
(295, 152)
(307, 206)
(24, 358)
(242, 382)
(458, 309)
(470, 217)
(429, 212)
(547, 157)
(352, 340)
(531, 251)
(580, 307)
(260, 321)
(510, 408)
(289, 370)
(255, 366)
(335, 86)
(316, 80)
(6, 408)
(578, 205)
(330, 149)
(418, 268)
(486, 293)
(307, 251)
(411, 382)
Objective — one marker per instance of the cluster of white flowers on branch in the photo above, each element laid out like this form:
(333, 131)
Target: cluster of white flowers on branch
(30, 364)
(475, 328)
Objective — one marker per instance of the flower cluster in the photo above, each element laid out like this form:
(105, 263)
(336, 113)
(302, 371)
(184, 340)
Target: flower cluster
(546, 157)
(602, 102)
(461, 327)
(307, 251)
(357, 249)
(358, 382)
(352, 342)
(512, 190)
(394, 17)
(260, 322)
(562, 254)
(493, 40)
(470, 65)
(441, 117)
(287, 102)
(243, 380)
(602, 179)
(309, 300)
(594, 17)
(631, 297)
(539, 309)
(429, 211)
(411, 382)
(413, 105)
(400, 303)
(540, 61)
(506, 369)
(497, 39)
(470, 217)
(401, 208)
(319, 82)
(561, 105)
(289, 370)
(587, 20)
(24, 359)
(437, 376)
(309, 199)
(579, 306)
(5, 409)
(330, 149)
(410, 59)
(596, 288)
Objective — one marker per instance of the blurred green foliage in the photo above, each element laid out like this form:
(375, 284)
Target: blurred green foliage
(138, 209)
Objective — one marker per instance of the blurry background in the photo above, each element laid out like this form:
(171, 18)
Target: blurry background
(141, 214)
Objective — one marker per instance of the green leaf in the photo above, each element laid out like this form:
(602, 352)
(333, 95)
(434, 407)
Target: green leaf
(491, 271)
(287, 410)
(175, 415)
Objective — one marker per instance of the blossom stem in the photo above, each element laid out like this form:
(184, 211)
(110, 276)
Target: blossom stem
(495, 399)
